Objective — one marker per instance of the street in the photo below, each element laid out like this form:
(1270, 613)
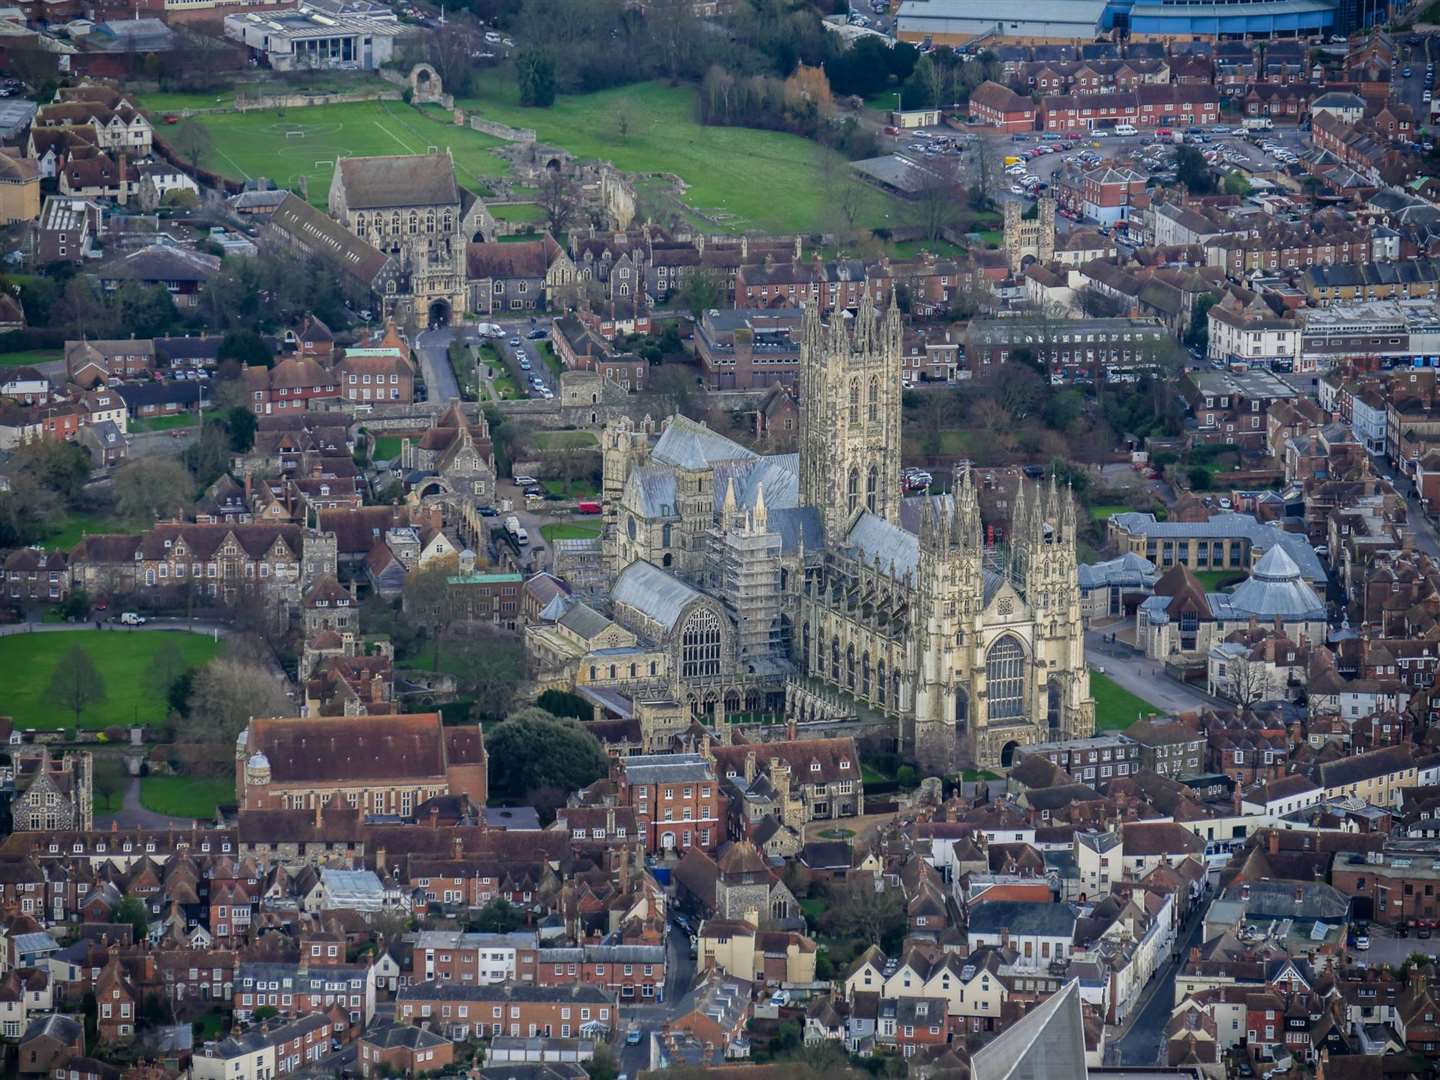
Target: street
(1142, 1044)
(440, 384)
(679, 974)
(1133, 671)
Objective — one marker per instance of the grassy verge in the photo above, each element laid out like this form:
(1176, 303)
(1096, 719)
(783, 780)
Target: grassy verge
(165, 423)
(28, 661)
(185, 796)
(76, 527)
(31, 357)
(521, 213)
(565, 440)
(1216, 580)
(570, 489)
(569, 532)
(387, 448)
(1105, 513)
(1115, 707)
(547, 353)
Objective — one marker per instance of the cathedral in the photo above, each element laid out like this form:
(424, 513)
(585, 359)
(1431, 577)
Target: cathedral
(808, 583)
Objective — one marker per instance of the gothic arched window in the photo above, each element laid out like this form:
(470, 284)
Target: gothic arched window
(874, 405)
(854, 401)
(700, 645)
(1005, 680)
(872, 487)
(865, 674)
(805, 647)
(850, 666)
(852, 490)
(835, 660)
(880, 681)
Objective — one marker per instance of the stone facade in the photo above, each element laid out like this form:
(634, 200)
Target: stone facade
(1033, 239)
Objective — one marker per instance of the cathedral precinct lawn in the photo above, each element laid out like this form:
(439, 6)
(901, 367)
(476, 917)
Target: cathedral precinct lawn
(569, 532)
(288, 144)
(1115, 707)
(76, 526)
(27, 662)
(387, 448)
(185, 796)
(566, 440)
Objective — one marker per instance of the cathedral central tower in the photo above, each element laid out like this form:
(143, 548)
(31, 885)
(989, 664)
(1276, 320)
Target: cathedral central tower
(850, 413)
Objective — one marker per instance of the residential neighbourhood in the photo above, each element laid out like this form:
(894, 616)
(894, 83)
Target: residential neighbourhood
(568, 541)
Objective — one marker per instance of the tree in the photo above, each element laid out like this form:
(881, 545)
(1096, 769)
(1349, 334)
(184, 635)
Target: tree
(701, 291)
(603, 1065)
(1236, 183)
(674, 29)
(1245, 682)
(76, 683)
(559, 197)
(429, 601)
(76, 605)
(564, 703)
(225, 694)
(858, 911)
(109, 778)
(192, 141)
(1198, 336)
(535, 77)
(132, 911)
(81, 311)
(936, 205)
(984, 186)
(246, 347)
(497, 917)
(1193, 171)
(488, 665)
(152, 488)
(540, 750)
(241, 423)
(166, 666)
(624, 117)
(1095, 304)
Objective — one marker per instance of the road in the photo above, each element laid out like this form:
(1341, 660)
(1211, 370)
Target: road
(1426, 537)
(679, 974)
(1144, 678)
(440, 384)
(1143, 1042)
(132, 815)
(1411, 90)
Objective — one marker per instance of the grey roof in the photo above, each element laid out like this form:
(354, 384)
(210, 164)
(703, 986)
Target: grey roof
(650, 491)
(692, 445)
(1228, 527)
(583, 620)
(655, 593)
(1047, 1043)
(404, 1035)
(663, 768)
(1129, 569)
(1274, 588)
(413, 180)
(502, 992)
(797, 524)
(873, 538)
(1023, 917)
(777, 474)
(345, 887)
(66, 1029)
(1290, 900)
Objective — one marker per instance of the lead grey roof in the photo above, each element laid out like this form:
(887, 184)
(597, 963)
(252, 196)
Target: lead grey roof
(690, 445)
(584, 620)
(1023, 917)
(1129, 569)
(1274, 588)
(650, 492)
(777, 474)
(663, 768)
(874, 538)
(1047, 1043)
(796, 524)
(653, 592)
(1228, 527)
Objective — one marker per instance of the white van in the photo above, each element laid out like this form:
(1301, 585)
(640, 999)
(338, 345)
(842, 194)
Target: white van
(1126, 129)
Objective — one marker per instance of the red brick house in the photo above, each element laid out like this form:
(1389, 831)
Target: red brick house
(1000, 107)
(1148, 106)
(118, 1002)
(289, 386)
(403, 1050)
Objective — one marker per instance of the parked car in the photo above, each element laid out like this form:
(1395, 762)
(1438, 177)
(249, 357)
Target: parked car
(538, 334)
(130, 618)
(524, 480)
(515, 342)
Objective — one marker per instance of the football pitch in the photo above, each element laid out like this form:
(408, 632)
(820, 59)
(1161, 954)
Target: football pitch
(286, 145)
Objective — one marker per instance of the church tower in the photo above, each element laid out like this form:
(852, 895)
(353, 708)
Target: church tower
(850, 414)
(950, 594)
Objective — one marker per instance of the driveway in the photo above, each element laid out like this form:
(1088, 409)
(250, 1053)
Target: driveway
(132, 815)
(1144, 678)
(440, 384)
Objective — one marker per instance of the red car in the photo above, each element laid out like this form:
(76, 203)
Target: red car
(171, 118)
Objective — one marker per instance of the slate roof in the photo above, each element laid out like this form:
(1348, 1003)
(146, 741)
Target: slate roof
(403, 180)
(655, 593)
(1023, 917)
(318, 233)
(1047, 1043)
(691, 445)
(1274, 588)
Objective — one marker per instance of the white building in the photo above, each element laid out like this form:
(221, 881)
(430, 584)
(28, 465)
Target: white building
(300, 40)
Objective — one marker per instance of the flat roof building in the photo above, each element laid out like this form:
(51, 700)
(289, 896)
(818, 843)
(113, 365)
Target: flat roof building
(298, 40)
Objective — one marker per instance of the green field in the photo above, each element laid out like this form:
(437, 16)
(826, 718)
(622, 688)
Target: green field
(76, 527)
(31, 357)
(262, 143)
(387, 448)
(528, 213)
(27, 661)
(1105, 513)
(739, 177)
(1218, 580)
(570, 489)
(165, 423)
(185, 796)
(565, 440)
(569, 532)
(1115, 707)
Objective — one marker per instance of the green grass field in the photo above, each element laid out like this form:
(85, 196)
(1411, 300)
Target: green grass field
(76, 527)
(27, 662)
(387, 448)
(31, 357)
(1217, 580)
(528, 213)
(1105, 513)
(250, 144)
(185, 796)
(740, 177)
(570, 489)
(565, 440)
(1115, 707)
(165, 423)
(569, 532)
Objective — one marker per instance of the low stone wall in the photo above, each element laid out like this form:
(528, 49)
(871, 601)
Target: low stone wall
(499, 130)
(300, 101)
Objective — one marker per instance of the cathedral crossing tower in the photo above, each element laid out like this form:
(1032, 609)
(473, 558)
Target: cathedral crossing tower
(850, 414)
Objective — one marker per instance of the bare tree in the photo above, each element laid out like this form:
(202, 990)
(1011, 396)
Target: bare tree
(76, 684)
(1245, 681)
(226, 694)
(559, 197)
(624, 117)
(983, 189)
(845, 194)
(191, 141)
(936, 205)
(150, 488)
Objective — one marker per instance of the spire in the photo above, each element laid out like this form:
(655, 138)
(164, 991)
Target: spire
(762, 516)
(1068, 516)
(1019, 517)
(729, 505)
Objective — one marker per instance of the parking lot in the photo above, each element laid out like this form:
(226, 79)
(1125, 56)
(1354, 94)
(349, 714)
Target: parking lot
(1387, 948)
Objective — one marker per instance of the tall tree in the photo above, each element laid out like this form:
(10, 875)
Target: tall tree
(191, 140)
(152, 488)
(701, 291)
(535, 77)
(488, 665)
(429, 601)
(540, 750)
(76, 684)
(225, 694)
(559, 197)
(109, 778)
(166, 666)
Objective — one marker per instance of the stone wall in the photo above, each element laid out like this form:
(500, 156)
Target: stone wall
(499, 130)
(300, 101)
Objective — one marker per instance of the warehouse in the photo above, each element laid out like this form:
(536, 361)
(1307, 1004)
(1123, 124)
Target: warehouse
(956, 22)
